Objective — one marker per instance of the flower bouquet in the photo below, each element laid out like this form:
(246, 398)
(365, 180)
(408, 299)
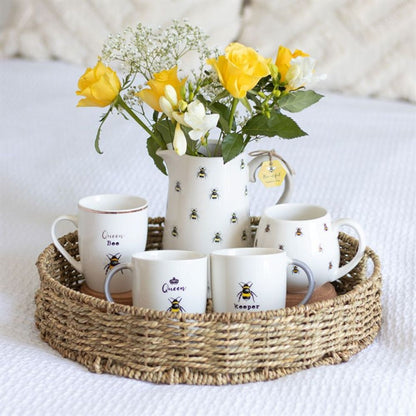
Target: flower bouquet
(229, 99)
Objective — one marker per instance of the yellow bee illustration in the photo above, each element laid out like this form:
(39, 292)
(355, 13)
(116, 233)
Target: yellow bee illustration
(174, 232)
(217, 238)
(194, 214)
(202, 173)
(295, 270)
(114, 260)
(242, 164)
(246, 293)
(175, 305)
(244, 235)
(178, 186)
(298, 232)
(214, 194)
(325, 227)
(267, 229)
(234, 218)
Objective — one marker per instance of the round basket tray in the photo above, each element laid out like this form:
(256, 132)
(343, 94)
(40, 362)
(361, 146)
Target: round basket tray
(211, 348)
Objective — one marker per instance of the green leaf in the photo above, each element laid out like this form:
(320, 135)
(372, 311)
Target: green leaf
(298, 100)
(152, 147)
(224, 113)
(275, 125)
(232, 146)
(164, 131)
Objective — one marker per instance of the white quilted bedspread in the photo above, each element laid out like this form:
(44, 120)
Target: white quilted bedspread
(359, 161)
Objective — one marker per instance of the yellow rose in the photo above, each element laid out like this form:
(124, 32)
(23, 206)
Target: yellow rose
(240, 69)
(151, 96)
(284, 56)
(100, 85)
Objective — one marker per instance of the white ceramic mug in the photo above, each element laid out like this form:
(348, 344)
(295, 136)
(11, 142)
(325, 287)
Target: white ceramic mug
(252, 279)
(110, 229)
(166, 280)
(308, 233)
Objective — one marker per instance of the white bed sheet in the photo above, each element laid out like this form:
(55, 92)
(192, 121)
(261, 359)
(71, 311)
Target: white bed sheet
(359, 161)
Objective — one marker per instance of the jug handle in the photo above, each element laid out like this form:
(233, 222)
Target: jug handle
(261, 156)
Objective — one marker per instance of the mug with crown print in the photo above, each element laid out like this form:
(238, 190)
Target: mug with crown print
(166, 280)
(307, 233)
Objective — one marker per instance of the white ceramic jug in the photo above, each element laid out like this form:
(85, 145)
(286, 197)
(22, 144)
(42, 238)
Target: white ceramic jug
(208, 203)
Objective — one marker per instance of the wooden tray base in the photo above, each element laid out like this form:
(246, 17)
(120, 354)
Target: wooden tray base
(324, 292)
(125, 298)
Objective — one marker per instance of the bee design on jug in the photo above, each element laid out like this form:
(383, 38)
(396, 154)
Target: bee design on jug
(214, 194)
(202, 173)
(298, 232)
(194, 214)
(217, 238)
(234, 218)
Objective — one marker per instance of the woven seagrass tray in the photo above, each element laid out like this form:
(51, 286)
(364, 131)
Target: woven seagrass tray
(210, 348)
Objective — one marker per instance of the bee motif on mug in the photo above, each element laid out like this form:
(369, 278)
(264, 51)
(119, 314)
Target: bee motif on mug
(330, 265)
(194, 214)
(295, 270)
(267, 229)
(174, 232)
(217, 238)
(178, 186)
(246, 293)
(245, 190)
(114, 260)
(298, 232)
(202, 173)
(175, 305)
(214, 194)
(281, 247)
(320, 249)
(242, 164)
(325, 227)
(244, 235)
(234, 218)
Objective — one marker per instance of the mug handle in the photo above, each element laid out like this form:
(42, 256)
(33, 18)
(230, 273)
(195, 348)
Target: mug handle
(257, 161)
(342, 271)
(309, 275)
(110, 275)
(72, 218)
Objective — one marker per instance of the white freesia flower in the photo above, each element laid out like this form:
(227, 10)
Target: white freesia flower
(170, 94)
(166, 106)
(196, 119)
(302, 72)
(179, 141)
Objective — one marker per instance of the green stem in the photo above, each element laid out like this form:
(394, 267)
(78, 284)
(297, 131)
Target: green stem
(232, 112)
(120, 102)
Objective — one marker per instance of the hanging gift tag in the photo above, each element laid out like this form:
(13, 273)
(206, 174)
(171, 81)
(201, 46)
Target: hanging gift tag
(272, 173)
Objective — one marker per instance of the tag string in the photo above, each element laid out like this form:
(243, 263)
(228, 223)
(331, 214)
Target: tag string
(272, 154)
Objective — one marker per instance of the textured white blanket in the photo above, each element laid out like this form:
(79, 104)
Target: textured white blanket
(359, 161)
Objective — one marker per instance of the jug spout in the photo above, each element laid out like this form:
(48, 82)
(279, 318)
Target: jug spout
(169, 156)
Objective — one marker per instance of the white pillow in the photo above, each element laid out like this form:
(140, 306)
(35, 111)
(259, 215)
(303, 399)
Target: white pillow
(365, 47)
(75, 30)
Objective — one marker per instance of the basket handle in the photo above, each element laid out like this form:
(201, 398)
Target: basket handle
(110, 275)
(346, 268)
(71, 218)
